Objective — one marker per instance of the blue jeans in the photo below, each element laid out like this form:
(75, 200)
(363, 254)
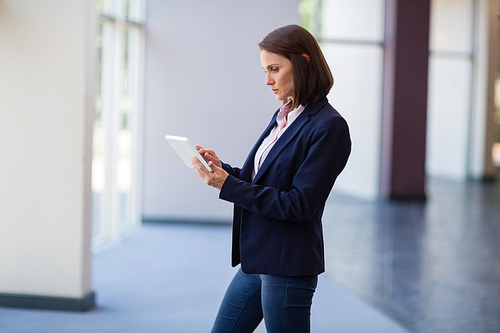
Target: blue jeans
(284, 303)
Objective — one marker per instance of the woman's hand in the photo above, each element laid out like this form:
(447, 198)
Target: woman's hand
(208, 155)
(216, 178)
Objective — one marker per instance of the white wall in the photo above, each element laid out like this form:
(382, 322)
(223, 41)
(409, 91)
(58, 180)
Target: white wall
(204, 80)
(44, 147)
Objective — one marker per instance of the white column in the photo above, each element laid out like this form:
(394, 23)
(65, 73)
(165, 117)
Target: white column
(46, 102)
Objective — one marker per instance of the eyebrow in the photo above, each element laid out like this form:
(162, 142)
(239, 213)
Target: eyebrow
(271, 65)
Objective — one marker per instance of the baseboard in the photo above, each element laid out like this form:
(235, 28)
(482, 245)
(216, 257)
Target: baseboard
(187, 221)
(47, 302)
(409, 198)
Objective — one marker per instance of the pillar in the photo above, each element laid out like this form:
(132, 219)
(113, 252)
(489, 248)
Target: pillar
(405, 99)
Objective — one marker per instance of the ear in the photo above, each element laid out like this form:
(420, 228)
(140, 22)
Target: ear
(305, 56)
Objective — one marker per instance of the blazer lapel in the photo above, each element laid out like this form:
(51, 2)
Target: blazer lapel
(246, 170)
(289, 134)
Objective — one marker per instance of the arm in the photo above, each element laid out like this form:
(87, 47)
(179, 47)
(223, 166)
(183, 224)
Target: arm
(329, 148)
(235, 172)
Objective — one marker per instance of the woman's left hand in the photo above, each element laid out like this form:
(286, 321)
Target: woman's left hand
(216, 178)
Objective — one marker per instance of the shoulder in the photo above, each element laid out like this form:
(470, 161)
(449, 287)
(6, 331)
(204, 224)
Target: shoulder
(326, 126)
(323, 114)
(322, 108)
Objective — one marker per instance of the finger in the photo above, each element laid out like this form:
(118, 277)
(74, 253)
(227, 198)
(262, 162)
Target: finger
(203, 151)
(209, 157)
(217, 177)
(202, 171)
(214, 167)
(197, 165)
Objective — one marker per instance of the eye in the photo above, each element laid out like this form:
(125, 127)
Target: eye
(272, 70)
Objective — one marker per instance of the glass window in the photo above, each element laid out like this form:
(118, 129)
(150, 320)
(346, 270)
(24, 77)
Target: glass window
(451, 25)
(357, 95)
(358, 20)
(136, 10)
(117, 124)
(450, 93)
(351, 34)
(448, 119)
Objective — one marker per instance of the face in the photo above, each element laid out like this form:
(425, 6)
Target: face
(279, 74)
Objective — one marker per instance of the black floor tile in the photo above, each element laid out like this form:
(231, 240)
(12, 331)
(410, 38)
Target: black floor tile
(433, 266)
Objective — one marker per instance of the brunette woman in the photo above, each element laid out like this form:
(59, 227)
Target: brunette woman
(280, 192)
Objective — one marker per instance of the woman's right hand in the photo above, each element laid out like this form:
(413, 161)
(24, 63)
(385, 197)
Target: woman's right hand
(209, 155)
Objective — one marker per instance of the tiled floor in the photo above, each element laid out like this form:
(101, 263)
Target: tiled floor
(433, 266)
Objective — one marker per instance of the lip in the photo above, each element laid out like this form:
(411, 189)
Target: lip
(275, 90)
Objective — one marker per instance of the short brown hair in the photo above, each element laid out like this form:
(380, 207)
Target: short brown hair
(312, 78)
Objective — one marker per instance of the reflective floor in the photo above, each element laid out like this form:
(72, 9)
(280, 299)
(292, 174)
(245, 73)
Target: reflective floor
(433, 266)
(170, 278)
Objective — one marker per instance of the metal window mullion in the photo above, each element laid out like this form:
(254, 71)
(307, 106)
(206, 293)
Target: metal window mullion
(472, 90)
(108, 105)
(134, 21)
(351, 42)
(136, 51)
(114, 126)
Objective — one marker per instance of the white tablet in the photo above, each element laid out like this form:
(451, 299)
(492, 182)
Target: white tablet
(185, 149)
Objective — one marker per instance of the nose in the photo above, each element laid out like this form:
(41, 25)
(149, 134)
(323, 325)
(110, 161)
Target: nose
(269, 80)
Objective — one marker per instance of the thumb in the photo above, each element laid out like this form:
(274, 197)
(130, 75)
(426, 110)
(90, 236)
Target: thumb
(214, 167)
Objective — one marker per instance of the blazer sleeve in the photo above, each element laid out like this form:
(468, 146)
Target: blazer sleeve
(235, 172)
(329, 146)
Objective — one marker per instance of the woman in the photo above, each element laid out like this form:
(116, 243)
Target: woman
(280, 192)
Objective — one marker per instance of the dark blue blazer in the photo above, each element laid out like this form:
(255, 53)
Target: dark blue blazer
(277, 226)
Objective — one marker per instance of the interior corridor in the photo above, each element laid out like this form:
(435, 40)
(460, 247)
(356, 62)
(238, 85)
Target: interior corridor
(392, 267)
